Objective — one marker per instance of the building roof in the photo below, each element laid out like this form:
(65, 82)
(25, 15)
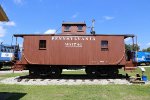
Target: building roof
(73, 23)
(3, 16)
(125, 35)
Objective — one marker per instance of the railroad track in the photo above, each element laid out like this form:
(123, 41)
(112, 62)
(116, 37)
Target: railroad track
(71, 81)
(65, 80)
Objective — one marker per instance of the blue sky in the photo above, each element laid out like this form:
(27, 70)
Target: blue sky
(112, 17)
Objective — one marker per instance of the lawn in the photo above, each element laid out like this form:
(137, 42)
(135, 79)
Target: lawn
(73, 92)
(81, 92)
(133, 73)
(3, 76)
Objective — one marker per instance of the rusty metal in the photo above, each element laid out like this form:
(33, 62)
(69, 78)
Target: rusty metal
(18, 66)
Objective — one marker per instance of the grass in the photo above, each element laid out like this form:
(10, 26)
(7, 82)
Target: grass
(3, 76)
(74, 72)
(133, 73)
(80, 92)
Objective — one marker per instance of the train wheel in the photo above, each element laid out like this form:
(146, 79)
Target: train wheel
(1, 66)
(33, 73)
(92, 72)
(55, 72)
(61, 70)
(113, 72)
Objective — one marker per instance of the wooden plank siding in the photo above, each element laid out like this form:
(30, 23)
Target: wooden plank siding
(58, 53)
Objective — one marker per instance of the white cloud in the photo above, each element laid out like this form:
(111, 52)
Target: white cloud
(5, 24)
(50, 31)
(108, 17)
(75, 15)
(128, 40)
(18, 1)
(2, 31)
(148, 44)
(10, 23)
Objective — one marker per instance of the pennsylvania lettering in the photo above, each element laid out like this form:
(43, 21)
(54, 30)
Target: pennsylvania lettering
(74, 38)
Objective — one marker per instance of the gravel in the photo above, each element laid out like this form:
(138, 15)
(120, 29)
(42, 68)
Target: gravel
(17, 80)
(70, 81)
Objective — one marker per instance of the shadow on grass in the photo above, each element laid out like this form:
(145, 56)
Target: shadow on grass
(11, 96)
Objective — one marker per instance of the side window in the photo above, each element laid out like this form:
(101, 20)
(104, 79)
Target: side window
(42, 44)
(104, 45)
(80, 27)
(67, 28)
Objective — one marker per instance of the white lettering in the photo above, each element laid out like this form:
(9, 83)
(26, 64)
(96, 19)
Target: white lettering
(75, 38)
(7, 55)
(53, 38)
(73, 44)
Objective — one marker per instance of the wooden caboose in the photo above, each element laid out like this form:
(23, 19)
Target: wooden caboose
(73, 48)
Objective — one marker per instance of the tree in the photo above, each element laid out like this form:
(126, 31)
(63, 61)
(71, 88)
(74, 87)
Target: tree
(146, 50)
(128, 47)
(131, 47)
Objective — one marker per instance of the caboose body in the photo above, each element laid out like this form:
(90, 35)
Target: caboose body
(98, 54)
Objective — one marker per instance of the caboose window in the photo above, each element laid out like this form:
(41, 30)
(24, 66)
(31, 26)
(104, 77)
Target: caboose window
(42, 44)
(67, 28)
(104, 45)
(80, 27)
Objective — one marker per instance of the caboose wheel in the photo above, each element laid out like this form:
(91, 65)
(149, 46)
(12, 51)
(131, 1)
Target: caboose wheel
(92, 72)
(33, 73)
(1, 66)
(55, 72)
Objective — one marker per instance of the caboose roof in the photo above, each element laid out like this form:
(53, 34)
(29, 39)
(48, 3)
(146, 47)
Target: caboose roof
(73, 23)
(3, 16)
(125, 35)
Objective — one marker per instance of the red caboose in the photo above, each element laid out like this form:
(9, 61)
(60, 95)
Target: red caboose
(97, 53)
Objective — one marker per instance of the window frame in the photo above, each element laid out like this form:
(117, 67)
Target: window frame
(42, 44)
(67, 28)
(80, 26)
(104, 45)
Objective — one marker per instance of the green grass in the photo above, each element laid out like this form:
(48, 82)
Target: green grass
(133, 73)
(6, 68)
(121, 71)
(81, 92)
(3, 76)
(74, 72)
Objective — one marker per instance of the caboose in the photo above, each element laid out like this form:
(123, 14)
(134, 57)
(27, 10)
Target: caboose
(99, 54)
